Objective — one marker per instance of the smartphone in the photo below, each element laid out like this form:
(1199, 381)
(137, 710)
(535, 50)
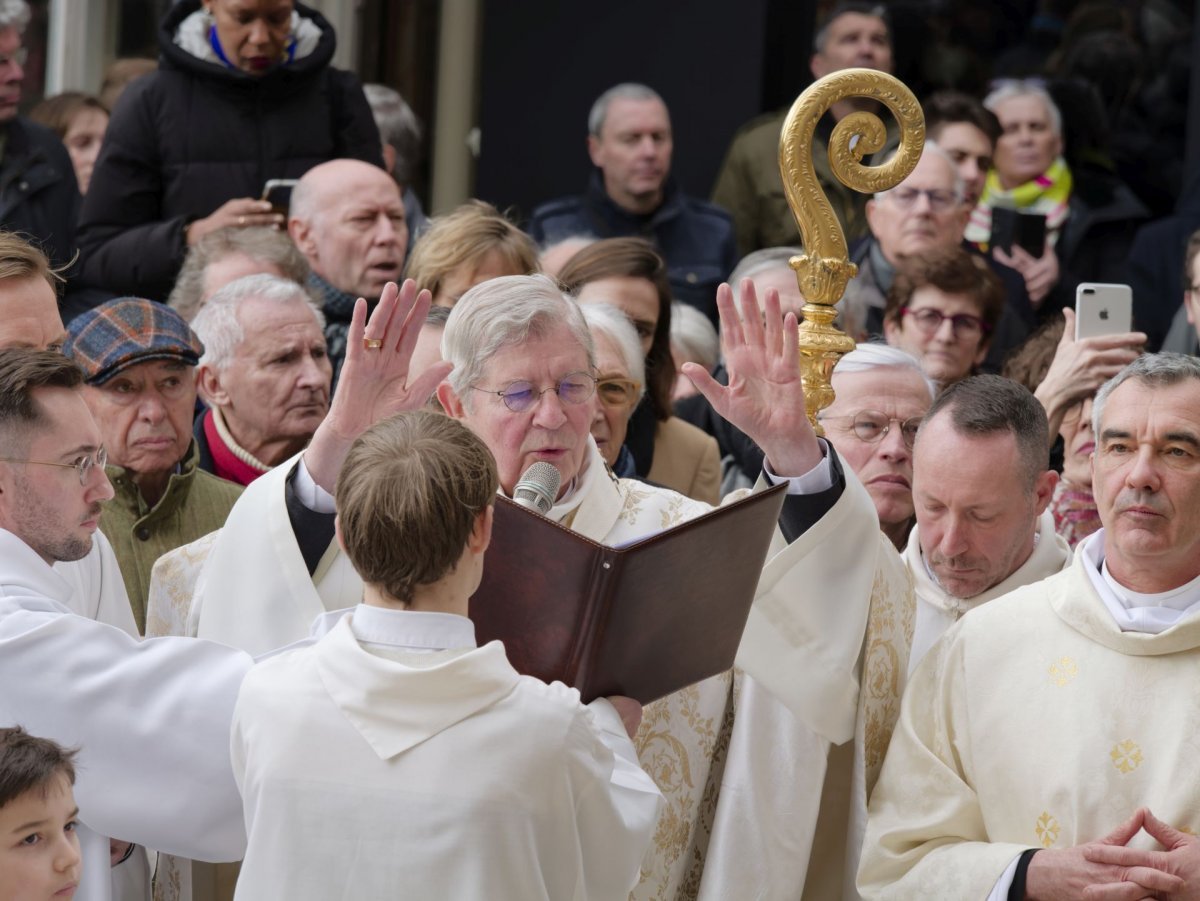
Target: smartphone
(278, 191)
(1025, 230)
(1103, 310)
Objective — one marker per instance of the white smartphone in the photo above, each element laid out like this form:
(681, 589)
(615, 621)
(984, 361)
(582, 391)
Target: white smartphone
(1102, 310)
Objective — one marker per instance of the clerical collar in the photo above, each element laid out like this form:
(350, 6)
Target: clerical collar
(1132, 610)
(411, 629)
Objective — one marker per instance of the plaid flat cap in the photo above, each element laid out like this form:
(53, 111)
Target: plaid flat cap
(125, 331)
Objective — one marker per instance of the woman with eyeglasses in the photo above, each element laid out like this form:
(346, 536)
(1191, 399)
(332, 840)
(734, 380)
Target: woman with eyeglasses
(942, 308)
(628, 273)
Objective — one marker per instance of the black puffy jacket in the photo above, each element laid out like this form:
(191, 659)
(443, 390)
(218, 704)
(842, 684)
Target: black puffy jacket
(185, 139)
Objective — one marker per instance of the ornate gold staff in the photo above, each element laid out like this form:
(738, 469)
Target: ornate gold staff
(824, 269)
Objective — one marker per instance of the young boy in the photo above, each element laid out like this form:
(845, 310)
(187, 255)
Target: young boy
(394, 758)
(39, 851)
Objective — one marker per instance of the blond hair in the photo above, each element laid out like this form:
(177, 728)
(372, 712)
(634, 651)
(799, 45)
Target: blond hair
(408, 496)
(464, 237)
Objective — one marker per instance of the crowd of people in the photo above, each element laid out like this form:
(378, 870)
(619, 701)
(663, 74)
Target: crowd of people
(251, 444)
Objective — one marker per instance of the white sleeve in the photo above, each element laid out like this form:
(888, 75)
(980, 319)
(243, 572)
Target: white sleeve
(309, 493)
(999, 891)
(151, 720)
(618, 804)
(816, 480)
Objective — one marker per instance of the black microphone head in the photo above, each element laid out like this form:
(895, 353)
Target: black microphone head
(538, 487)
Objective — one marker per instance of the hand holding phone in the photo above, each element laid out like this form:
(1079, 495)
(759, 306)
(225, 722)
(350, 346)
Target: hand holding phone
(1102, 310)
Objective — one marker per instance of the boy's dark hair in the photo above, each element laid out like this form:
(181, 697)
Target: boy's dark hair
(29, 763)
(408, 495)
(948, 107)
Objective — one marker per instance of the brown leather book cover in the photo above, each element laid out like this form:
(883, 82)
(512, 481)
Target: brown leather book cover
(642, 620)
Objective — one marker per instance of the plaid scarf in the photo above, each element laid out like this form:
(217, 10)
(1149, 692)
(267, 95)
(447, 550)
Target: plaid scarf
(1047, 195)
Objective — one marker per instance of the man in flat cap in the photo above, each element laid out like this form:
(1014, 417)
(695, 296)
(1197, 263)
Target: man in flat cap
(139, 360)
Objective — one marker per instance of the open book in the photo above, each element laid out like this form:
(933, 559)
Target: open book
(642, 620)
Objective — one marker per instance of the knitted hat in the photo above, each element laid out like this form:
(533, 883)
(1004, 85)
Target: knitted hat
(126, 331)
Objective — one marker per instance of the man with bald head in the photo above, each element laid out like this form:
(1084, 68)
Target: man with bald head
(347, 218)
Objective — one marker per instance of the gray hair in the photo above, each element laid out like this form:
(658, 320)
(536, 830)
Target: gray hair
(1026, 88)
(626, 91)
(762, 260)
(695, 336)
(14, 14)
(263, 243)
(217, 323)
(398, 126)
(612, 323)
(503, 311)
(870, 356)
(960, 186)
(1160, 370)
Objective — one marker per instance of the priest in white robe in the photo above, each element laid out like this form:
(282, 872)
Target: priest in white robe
(1039, 726)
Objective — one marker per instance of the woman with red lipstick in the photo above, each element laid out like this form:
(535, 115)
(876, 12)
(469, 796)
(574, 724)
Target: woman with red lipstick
(244, 93)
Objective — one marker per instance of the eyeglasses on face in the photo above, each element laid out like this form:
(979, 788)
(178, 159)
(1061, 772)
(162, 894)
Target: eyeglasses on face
(872, 426)
(519, 396)
(617, 392)
(939, 201)
(929, 320)
(83, 466)
(18, 56)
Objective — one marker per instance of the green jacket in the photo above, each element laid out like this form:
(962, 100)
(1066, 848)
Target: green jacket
(194, 504)
(750, 187)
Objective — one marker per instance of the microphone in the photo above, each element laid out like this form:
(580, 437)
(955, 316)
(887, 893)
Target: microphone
(538, 487)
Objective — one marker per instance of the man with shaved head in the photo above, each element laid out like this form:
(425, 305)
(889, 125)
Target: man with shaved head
(347, 218)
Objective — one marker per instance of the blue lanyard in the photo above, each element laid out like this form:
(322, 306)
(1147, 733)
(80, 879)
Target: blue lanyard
(290, 53)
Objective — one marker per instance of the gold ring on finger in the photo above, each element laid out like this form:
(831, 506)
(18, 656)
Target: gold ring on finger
(372, 343)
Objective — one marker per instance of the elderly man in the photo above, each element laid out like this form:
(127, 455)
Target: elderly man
(631, 194)
(880, 396)
(1032, 790)
(347, 218)
(228, 254)
(264, 374)
(139, 362)
(855, 34)
(523, 358)
(925, 212)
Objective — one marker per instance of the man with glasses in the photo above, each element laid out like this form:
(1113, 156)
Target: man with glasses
(521, 370)
(925, 213)
(943, 308)
(38, 193)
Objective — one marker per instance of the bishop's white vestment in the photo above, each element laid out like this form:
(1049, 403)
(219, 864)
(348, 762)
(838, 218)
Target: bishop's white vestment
(1036, 722)
(394, 759)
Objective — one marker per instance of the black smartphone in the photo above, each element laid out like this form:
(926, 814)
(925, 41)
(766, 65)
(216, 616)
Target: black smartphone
(1025, 230)
(278, 192)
